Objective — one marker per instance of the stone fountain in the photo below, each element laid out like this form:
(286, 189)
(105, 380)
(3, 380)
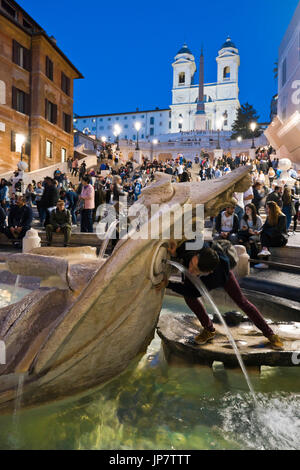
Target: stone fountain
(92, 316)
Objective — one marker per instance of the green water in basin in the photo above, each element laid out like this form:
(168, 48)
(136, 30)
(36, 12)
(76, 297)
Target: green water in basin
(178, 407)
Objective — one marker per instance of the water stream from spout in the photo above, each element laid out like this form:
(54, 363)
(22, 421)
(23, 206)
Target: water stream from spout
(14, 296)
(17, 408)
(107, 238)
(203, 291)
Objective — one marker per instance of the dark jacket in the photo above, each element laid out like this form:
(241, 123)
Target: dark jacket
(217, 279)
(60, 218)
(20, 216)
(279, 229)
(218, 223)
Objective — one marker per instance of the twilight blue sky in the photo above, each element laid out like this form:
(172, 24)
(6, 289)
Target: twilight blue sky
(125, 49)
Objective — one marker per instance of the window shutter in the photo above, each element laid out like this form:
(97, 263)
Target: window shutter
(27, 104)
(15, 57)
(13, 141)
(46, 109)
(14, 98)
(27, 59)
(47, 66)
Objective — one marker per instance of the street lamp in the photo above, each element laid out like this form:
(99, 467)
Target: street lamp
(117, 132)
(103, 139)
(253, 127)
(239, 139)
(180, 121)
(138, 127)
(219, 127)
(154, 143)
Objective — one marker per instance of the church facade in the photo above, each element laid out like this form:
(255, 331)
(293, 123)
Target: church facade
(195, 107)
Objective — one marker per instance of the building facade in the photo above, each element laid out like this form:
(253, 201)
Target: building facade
(36, 93)
(218, 101)
(284, 131)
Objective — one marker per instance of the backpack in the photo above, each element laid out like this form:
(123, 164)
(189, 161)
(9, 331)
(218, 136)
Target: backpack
(226, 248)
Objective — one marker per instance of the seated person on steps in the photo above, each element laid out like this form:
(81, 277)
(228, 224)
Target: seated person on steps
(60, 222)
(227, 225)
(19, 221)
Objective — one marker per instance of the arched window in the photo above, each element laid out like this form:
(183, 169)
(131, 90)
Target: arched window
(226, 72)
(2, 92)
(181, 79)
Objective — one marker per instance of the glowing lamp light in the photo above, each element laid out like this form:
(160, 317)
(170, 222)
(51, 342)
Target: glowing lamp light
(154, 141)
(20, 139)
(239, 139)
(253, 126)
(138, 126)
(103, 139)
(117, 130)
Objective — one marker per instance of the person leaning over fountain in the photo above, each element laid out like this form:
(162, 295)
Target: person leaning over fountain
(60, 222)
(19, 221)
(214, 270)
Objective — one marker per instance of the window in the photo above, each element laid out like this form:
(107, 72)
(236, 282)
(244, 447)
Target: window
(142, 136)
(49, 149)
(152, 121)
(226, 73)
(109, 119)
(143, 117)
(2, 92)
(65, 84)
(20, 101)
(170, 125)
(133, 117)
(67, 123)
(101, 128)
(21, 56)
(26, 24)
(49, 68)
(151, 130)
(125, 118)
(117, 118)
(283, 73)
(8, 8)
(63, 155)
(160, 123)
(126, 126)
(93, 128)
(50, 112)
(181, 78)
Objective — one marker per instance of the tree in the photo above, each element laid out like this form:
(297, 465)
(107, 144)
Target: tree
(275, 70)
(241, 127)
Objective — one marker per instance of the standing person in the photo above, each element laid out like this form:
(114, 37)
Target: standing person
(39, 190)
(60, 222)
(275, 196)
(29, 195)
(88, 197)
(4, 194)
(213, 268)
(257, 195)
(250, 228)
(274, 233)
(227, 225)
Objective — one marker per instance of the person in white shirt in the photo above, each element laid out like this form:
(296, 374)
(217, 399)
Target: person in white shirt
(242, 199)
